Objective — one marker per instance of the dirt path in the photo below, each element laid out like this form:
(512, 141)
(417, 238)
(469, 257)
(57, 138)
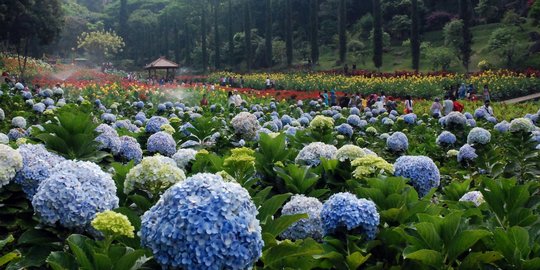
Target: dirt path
(522, 99)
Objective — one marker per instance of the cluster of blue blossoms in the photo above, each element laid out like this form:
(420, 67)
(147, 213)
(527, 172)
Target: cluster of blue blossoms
(446, 138)
(73, 194)
(203, 223)
(397, 142)
(466, 153)
(306, 227)
(345, 211)
(154, 124)
(163, 143)
(421, 170)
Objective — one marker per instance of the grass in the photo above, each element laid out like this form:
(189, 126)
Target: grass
(398, 56)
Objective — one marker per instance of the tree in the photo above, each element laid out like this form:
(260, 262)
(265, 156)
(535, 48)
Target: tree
(230, 34)
(100, 44)
(248, 54)
(503, 43)
(26, 21)
(314, 30)
(452, 36)
(217, 43)
(487, 9)
(465, 49)
(377, 34)
(123, 17)
(268, 33)
(289, 32)
(342, 23)
(534, 12)
(203, 37)
(415, 36)
(439, 57)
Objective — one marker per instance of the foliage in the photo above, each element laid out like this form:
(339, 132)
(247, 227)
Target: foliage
(439, 57)
(503, 43)
(100, 44)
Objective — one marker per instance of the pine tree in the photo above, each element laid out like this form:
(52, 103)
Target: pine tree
(247, 31)
(230, 34)
(268, 33)
(415, 36)
(289, 32)
(465, 16)
(203, 39)
(217, 49)
(377, 34)
(314, 27)
(342, 23)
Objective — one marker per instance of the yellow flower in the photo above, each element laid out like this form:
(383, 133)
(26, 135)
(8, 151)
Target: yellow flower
(114, 224)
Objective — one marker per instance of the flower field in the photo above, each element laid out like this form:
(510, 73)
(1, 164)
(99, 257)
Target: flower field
(117, 175)
(503, 84)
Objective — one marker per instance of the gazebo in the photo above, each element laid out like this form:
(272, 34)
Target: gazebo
(162, 64)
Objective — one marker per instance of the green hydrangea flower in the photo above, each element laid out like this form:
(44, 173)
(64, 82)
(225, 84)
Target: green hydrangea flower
(153, 175)
(351, 152)
(168, 128)
(321, 122)
(113, 224)
(370, 165)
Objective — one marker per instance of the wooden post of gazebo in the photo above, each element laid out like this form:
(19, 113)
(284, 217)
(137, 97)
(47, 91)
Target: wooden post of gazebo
(160, 64)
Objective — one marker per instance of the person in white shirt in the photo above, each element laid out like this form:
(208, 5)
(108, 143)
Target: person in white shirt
(237, 99)
(379, 104)
(268, 83)
(448, 105)
(408, 104)
(436, 108)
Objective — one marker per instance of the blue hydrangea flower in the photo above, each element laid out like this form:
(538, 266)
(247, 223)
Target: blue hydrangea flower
(48, 102)
(183, 157)
(2, 115)
(4, 139)
(372, 120)
(446, 138)
(468, 115)
(154, 124)
(203, 223)
(27, 95)
(345, 129)
(107, 138)
(140, 116)
(126, 124)
(410, 118)
(73, 194)
(397, 142)
(422, 171)
(471, 122)
(387, 121)
(286, 120)
(475, 197)
(163, 143)
(491, 119)
(521, 125)
(466, 153)
(130, 149)
(502, 126)
(354, 111)
(480, 113)
(345, 211)
(38, 107)
(139, 104)
(478, 136)
(108, 118)
(16, 133)
(304, 121)
(18, 122)
(306, 227)
(271, 125)
(246, 125)
(189, 144)
(312, 153)
(455, 120)
(354, 120)
(161, 107)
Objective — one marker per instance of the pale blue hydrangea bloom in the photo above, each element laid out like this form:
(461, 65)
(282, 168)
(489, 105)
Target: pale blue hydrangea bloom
(345, 211)
(455, 120)
(446, 138)
(502, 126)
(354, 120)
(521, 125)
(154, 124)
(161, 142)
(312, 153)
(345, 129)
(306, 227)
(466, 153)
(16, 133)
(475, 197)
(478, 136)
(126, 124)
(73, 194)
(183, 157)
(203, 223)
(421, 170)
(471, 122)
(108, 138)
(410, 118)
(130, 149)
(11, 162)
(4, 139)
(18, 122)
(246, 125)
(397, 142)
(38, 107)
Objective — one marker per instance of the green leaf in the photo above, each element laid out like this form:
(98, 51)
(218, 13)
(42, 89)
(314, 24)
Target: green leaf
(426, 256)
(450, 226)
(36, 237)
(6, 241)
(277, 226)
(532, 264)
(292, 255)
(475, 259)
(271, 206)
(464, 241)
(62, 261)
(129, 260)
(429, 235)
(9, 257)
(356, 259)
(143, 203)
(81, 250)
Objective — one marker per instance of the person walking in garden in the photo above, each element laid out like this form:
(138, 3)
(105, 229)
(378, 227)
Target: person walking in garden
(436, 108)
(344, 101)
(408, 104)
(325, 97)
(379, 105)
(462, 91)
(457, 106)
(487, 96)
(448, 105)
(333, 98)
(268, 82)
(204, 101)
(487, 108)
(391, 105)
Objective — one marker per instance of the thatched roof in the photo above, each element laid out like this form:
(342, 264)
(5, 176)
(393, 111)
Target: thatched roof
(161, 63)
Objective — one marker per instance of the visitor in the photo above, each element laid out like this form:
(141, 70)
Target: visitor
(371, 101)
(356, 101)
(333, 98)
(462, 91)
(379, 105)
(436, 108)
(242, 81)
(487, 96)
(237, 99)
(230, 99)
(268, 82)
(383, 97)
(470, 91)
(391, 105)
(487, 108)
(448, 105)
(204, 101)
(408, 104)
(325, 97)
(344, 101)
(457, 106)
(364, 101)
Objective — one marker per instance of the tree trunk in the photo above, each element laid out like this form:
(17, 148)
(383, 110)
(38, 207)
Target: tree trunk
(314, 27)
(247, 31)
(268, 33)
(231, 35)
(377, 34)
(203, 39)
(465, 15)
(217, 42)
(289, 33)
(342, 23)
(415, 36)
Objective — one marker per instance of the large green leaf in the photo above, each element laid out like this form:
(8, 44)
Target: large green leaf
(426, 256)
(292, 255)
(271, 206)
(464, 241)
(5, 259)
(278, 225)
(62, 261)
(476, 259)
(83, 253)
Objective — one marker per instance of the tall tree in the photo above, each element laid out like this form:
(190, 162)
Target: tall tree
(342, 24)
(465, 16)
(203, 38)
(314, 30)
(415, 36)
(29, 21)
(377, 34)
(289, 32)
(268, 33)
(247, 37)
(123, 17)
(230, 33)
(217, 42)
